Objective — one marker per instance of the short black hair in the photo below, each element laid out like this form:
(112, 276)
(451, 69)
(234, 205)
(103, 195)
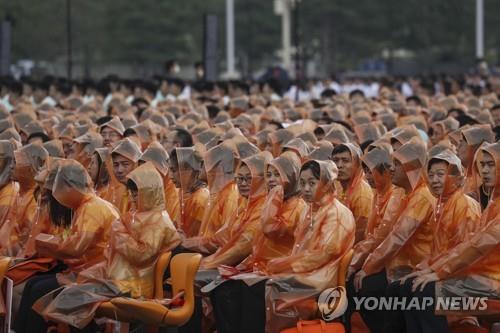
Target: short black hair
(365, 145)
(276, 123)
(328, 93)
(103, 120)
(313, 166)
(356, 92)
(185, 138)
(40, 135)
(340, 149)
(415, 99)
(433, 161)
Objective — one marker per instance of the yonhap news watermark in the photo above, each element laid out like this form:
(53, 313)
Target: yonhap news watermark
(421, 303)
(332, 303)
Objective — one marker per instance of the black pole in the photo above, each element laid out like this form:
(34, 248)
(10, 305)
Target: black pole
(69, 50)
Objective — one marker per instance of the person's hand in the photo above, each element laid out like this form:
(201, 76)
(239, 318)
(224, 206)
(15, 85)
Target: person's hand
(420, 282)
(415, 274)
(358, 279)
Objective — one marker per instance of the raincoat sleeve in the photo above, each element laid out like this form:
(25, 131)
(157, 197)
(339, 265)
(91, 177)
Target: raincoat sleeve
(469, 252)
(417, 211)
(335, 236)
(273, 223)
(363, 249)
(237, 248)
(196, 211)
(140, 247)
(82, 236)
(361, 206)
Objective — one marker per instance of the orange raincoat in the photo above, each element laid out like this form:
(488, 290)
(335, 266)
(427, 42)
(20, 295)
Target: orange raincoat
(157, 155)
(15, 231)
(135, 243)
(357, 195)
(321, 240)
(194, 195)
(410, 239)
(472, 268)
(386, 206)
(474, 137)
(8, 189)
(220, 166)
(236, 240)
(84, 243)
(283, 211)
(118, 194)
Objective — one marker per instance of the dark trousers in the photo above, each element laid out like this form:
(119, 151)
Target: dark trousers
(239, 308)
(27, 320)
(374, 285)
(425, 320)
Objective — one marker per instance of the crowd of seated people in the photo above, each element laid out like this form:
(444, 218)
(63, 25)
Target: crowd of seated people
(97, 180)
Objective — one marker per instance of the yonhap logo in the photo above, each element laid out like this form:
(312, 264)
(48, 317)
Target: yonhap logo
(332, 303)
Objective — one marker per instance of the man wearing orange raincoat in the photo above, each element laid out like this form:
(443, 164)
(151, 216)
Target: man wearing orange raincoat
(470, 268)
(136, 242)
(125, 157)
(15, 230)
(379, 167)
(456, 218)
(79, 248)
(409, 241)
(352, 188)
(471, 140)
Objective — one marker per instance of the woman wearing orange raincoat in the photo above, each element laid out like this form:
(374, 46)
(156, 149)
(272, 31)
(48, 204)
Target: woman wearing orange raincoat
(15, 231)
(99, 171)
(352, 188)
(157, 155)
(135, 244)
(469, 269)
(186, 166)
(321, 240)
(236, 240)
(220, 165)
(409, 240)
(79, 248)
(283, 210)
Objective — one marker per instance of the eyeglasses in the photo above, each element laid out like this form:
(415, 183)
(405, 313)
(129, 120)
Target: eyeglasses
(240, 179)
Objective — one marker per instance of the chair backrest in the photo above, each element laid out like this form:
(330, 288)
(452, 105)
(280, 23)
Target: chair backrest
(344, 265)
(183, 268)
(160, 268)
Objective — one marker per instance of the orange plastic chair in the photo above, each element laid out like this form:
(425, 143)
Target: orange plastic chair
(108, 310)
(183, 270)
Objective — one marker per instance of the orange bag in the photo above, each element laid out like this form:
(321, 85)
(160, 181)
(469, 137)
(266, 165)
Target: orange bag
(315, 326)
